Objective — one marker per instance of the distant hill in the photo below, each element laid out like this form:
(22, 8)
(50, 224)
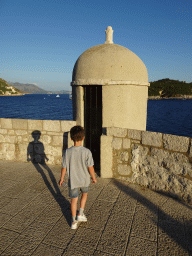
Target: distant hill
(169, 88)
(34, 89)
(8, 90)
(29, 88)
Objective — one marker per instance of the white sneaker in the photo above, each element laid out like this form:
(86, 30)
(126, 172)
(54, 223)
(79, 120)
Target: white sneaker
(73, 225)
(81, 217)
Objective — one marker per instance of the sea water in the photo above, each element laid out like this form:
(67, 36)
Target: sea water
(171, 116)
(37, 106)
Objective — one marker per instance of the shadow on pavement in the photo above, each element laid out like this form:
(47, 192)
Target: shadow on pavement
(36, 154)
(167, 224)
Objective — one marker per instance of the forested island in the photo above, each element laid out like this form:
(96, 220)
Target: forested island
(168, 88)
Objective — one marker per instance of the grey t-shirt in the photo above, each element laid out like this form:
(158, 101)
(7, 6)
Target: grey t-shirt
(77, 160)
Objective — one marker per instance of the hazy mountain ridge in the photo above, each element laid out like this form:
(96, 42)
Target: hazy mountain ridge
(34, 89)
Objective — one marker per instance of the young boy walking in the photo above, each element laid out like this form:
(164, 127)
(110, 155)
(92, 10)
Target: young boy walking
(78, 162)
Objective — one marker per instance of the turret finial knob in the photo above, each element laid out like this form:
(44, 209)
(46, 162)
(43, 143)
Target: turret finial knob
(109, 35)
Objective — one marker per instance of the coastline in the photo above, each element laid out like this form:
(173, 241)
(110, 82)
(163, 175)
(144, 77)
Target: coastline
(183, 97)
(14, 94)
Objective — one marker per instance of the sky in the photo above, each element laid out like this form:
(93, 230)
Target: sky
(40, 40)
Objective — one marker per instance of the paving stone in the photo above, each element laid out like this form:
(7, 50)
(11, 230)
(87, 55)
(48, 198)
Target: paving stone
(16, 188)
(4, 201)
(98, 214)
(47, 218)
(4, 217)
(114, 238)
(100, 253)
(20, 202)
(188, 233)
(140, 247)
(172, 210)
(153, 197)
(23, 245)
(47, 250)
(145, 223)
(6, 238)
(61, 234)
(27, 215)
(117, 212)
(84, 241)
(171, 237)
(70, 253)
(123, 210)
(109, 193)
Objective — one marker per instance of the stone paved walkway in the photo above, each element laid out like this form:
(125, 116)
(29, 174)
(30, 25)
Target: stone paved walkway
(123, 219)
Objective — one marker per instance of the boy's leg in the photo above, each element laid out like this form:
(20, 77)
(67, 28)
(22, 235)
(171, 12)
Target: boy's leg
(74, 207)
(74, 212)
(81, 216)
(83, 200)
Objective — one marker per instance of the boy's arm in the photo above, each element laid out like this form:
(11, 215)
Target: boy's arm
(63, 172)
(92, 172)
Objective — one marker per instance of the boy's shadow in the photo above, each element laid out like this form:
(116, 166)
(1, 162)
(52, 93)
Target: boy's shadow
(36, 154)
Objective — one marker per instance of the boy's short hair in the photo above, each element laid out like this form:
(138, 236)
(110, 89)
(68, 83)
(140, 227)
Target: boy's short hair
(77, 133)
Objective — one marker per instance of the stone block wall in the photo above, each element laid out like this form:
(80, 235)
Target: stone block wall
(162, 162)
(19, 139)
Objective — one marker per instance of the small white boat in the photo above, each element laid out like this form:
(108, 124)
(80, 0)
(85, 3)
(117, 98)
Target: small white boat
(70, 96)
(57, 95)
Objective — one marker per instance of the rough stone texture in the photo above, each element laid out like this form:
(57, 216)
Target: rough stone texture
(10, 139)
(57, 140)
(2, 138)
(117, 143)
(159, 161)
(159, 171)
(134, 134)
(54, 151)
(46, 139)
(190, 151)
(35, 125)
(117, 132)
(124, 156)
(124, 169)
(152, 138)
(3, 131)
(16, 139)
(20, 124)
(176, 143)
(20, 132)
(126, 143)
(49, 125)
(67, 125)
(6, 123)
(10, 132)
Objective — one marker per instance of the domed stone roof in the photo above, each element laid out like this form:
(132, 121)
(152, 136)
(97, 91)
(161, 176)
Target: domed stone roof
(107, 64)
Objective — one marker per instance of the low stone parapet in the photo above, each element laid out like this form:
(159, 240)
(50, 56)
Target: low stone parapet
(24, 140)
(162, 162)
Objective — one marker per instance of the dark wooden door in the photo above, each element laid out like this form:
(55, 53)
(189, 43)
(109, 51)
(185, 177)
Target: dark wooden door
(93, 121)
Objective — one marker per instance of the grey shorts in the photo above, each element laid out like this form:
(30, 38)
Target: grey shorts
(73, 193)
